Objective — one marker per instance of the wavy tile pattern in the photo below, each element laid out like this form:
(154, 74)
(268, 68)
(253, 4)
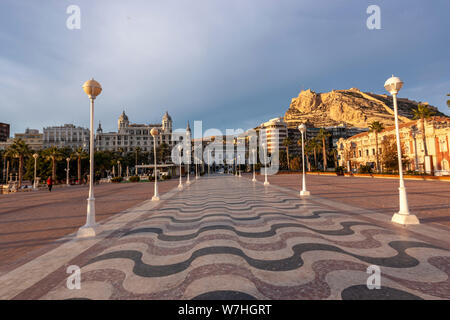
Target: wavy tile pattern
(225, 237)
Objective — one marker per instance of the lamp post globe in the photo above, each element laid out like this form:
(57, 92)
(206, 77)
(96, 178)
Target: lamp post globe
(35, 156)
(154, 133)
(393, 85)
(92, 88)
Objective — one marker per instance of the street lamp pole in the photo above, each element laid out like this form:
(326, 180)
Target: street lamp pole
(67, 171)
(180, 185)
(266, 182)
(188, 150)
(35, 156)
(393, 86)
(154, 133)
(254, 164)
(92, 88)
(303, 192)
(239, 163)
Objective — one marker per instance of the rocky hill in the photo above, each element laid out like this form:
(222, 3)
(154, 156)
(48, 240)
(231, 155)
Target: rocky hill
(350, 107)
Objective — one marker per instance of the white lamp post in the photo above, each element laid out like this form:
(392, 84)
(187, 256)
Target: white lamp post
(188, 150)
(303, 192)
(254, 164)
(67, 171)
(154, 133)
(239, 164)
(180, 185)
(92, 89)
(266, 182)
(196, 162)
(35, 156)
(393, 86)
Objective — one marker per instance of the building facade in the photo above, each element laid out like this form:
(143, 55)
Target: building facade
(272, 133)
(361, 148)
(66, 136)
(4, 131)
(31, 137)
(130, 136)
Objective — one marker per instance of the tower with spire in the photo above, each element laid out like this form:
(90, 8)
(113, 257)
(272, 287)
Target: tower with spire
(167, 123)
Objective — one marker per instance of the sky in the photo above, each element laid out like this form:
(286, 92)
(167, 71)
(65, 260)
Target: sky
(230, 63)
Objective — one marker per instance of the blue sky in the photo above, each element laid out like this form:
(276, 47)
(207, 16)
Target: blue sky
(230, 63)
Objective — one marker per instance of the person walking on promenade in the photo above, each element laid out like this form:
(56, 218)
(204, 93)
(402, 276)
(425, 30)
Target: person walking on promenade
(50, 184)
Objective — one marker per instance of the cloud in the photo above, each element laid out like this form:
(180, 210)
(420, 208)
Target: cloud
(229, 63)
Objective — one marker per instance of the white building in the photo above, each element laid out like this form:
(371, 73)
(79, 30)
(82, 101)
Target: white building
(66, 136)
(272, 133)
(130, 136)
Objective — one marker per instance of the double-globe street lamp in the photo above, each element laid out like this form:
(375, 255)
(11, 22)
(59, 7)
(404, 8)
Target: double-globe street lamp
(188, 156)
(154, 133)
(92, 88)
(393, 86)
(303, 192)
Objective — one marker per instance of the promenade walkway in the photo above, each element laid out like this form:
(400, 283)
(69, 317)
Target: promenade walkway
(225, 237)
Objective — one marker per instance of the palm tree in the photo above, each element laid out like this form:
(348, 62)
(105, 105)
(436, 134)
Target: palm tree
(53, 154)
(376, 127)
(324, 135)
(138, 150)
(312, 145)
(287, 142)
(19, 149)
(79, 154)
(423, 112)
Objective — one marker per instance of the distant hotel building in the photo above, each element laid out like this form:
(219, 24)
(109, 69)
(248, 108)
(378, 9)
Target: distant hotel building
(130, 136)
(4, 131)
(361, 148)
(272, 133)
(66, 136)
(31, 137)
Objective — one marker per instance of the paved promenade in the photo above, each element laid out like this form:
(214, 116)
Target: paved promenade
(429, 200)
(227, 237)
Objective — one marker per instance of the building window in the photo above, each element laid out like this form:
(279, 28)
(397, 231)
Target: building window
(360, 153)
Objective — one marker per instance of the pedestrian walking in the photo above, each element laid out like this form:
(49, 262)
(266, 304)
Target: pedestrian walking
(50, 184)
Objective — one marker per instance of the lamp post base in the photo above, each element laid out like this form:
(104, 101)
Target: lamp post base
(180, 187)
(266, 183)
(305, 193)
(405, 219)
(155, 198)
(87, 231)
(254, 179)
(188, 183)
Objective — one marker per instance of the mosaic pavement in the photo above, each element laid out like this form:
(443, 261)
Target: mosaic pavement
(225, 237)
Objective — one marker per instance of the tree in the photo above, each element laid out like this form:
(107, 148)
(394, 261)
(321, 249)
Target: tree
(287, 142)
(53, 154)
(162, 152)
(448, 101)
(295, 164)
(312, 145)
(376, 127)
(323, 136)
(19, 149)
(423, 112)
(390, 156)
(79, 154)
